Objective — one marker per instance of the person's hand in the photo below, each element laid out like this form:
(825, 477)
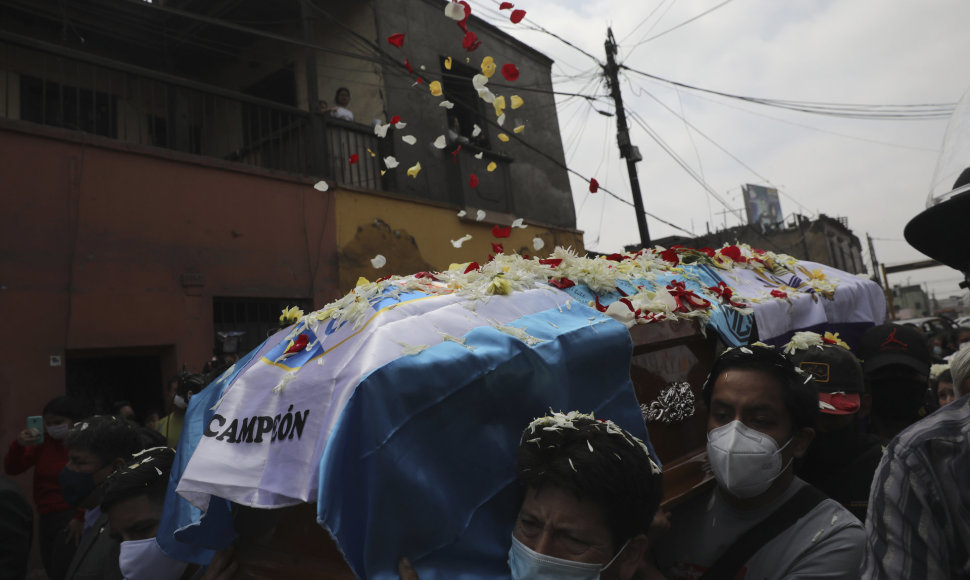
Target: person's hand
(222, 567)
(73, 531)
(28, 437)
(658, 527)
(405, 570)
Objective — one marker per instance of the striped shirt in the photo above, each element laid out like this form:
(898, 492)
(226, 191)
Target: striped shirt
(919, 508)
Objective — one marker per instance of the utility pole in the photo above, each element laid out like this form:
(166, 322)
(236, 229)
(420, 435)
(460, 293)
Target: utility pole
(872, 257)
(627, 151)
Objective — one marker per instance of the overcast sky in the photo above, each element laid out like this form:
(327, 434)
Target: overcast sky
(876, 173)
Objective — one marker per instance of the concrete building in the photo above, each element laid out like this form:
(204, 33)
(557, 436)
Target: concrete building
(825, 240)
(159, 162)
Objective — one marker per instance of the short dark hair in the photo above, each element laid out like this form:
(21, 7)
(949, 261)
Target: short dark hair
(798, 390)
(146, 473)
(66, 406)
(336, 94)
(108, 437)
(596, 461)
(193, 383)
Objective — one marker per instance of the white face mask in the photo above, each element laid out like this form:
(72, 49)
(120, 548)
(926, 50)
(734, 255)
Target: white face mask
(527, 564)
(58, 431)
(145, 560)
(745, 461)
(179, 402)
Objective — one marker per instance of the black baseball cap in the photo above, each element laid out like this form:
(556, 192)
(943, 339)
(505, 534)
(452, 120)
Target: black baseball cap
(837, 374)
(894, 344)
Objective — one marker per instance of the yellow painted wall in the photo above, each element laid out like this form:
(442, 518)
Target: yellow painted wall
(416, 236)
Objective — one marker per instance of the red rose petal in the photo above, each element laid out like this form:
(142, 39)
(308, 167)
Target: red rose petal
(407, 65)
(298, 344)
(599, 306)
(562, 283)
(707, 251)
(594, 185)
(506, 6)
(554, 262)
(473, 181)
(500, 232)
(779, 294)
(388, 277)
(395, 119)
(472, 266)
(615, 257)
(426, 275)
(498, 248)
(470, 42)
(463, 23)
(517, 16)
(670, 256)
(396, 39)
(491, 257)
(510, 72)
(353, 159)
(454, 154)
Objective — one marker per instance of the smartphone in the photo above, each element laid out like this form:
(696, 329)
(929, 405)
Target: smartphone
(36, 422)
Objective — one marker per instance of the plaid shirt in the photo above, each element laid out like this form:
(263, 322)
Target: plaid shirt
(919, 508)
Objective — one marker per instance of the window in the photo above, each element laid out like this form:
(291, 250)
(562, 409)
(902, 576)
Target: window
(50, 103)
(469, 107)
(257, 318)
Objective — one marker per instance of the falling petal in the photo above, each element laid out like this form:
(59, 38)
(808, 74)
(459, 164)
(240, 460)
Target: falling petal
(486, 95)
(462, 213)
(354, 158)
(593, 185)
(321, 185)
(476, 131)
(440, 142)
(537, 244)
(517, 223)
(506, 6)
(409, 139)
(390, 162)
(517, 16)
(488, 66)
(435, 88)
(470, 42)
(371, 153)
(479, 81)
(395, 119)
(479, 155)
(510, 72)
(503, 137)
(448, 63)
(519, 129)
(396, 39)
(498, 248)
(378, 261)
(400, 125)
(457, 243)
(473, 181)
(491, 166)
(480, 215)
(500, 120)
(158, 471)
(499, 105)
(500, 232)
(422, 67)
(515, 101)
(446, 104)
(414, 170)
(381, 130)
(383, 171)
(455, 11)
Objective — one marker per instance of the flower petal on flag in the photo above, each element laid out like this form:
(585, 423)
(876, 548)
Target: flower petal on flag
(378, 261)
(409, 139)
(506, 6)
(491, 166)
(473, 181)
(476, 131)
(462, 213)
(396, 39)
(498, 248)
(414, 170)
(594, 185)
(519, 129)
(321, 185)
(517, 223)
(517, 16)
(488, 66)
(448, 63)
(479, 155)
(457, 243)
(390, 162)
(500, 232)
(435, 88)
(538, 244)
(515, 101)
(446, 104)
(503, 137)
(353, 158)
(455, 11)
(480, 215)
(440, 142)
(510, 72)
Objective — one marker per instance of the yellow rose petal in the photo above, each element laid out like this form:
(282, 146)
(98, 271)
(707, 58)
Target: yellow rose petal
(491, 166)
(435, 88)
(415, 170)
(499, 104)
(362, 281)
(488, 66)
(448, 63)
(519, 129)
(516, 101)
(372, 154)
(503, 137)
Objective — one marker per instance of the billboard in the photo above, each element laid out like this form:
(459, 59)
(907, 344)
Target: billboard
(762, 206)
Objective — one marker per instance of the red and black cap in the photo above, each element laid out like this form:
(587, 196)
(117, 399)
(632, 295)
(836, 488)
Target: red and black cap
(894, 344)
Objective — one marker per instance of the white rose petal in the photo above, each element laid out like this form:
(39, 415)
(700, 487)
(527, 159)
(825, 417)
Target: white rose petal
(486, 95)
(455, 11)
(457, 243)
(476, 131)
(381, 130)
(501, 119)
(462, 213)
(479, 155)
(321, 185)
(400, 125)
(390, 162)
(378, 261)
(480, 215)
(479, 81)
(446, 104)
(517, 223)
(409, 139)
(440, 142)
(537, 244)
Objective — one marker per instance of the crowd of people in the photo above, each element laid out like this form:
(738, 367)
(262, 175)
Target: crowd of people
(826, 461)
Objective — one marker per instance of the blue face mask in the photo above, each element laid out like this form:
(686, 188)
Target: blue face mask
(76, 485)
(528, 564)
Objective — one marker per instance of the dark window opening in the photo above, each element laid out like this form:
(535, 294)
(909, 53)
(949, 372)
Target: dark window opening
(257, 318)
(54, 104)
(102, 378)
(469, 107)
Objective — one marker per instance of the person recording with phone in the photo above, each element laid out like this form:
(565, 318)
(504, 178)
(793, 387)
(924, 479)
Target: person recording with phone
(41, 446)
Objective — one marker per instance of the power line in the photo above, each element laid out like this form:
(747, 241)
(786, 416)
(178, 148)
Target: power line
(682, 24)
